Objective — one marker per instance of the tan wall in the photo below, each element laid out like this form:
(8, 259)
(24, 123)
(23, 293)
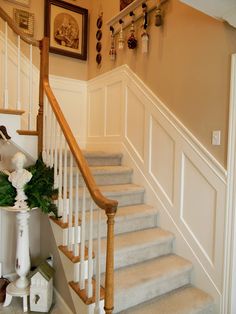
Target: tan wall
(188, 67)
(59, 65)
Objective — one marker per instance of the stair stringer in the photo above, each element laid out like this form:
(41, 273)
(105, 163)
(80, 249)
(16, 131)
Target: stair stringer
(69, 269)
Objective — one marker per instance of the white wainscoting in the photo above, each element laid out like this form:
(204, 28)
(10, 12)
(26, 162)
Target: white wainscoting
(186, 183)
(24, 82)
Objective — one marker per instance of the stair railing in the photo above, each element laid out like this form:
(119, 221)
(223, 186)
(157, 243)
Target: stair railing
(60, 149)
(11, 77)
(80, 202)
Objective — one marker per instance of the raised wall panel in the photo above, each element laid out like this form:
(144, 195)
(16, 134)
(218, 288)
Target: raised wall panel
(135, 123)
(162, 154)
(198, 208)
(96, 116)
(113, 109)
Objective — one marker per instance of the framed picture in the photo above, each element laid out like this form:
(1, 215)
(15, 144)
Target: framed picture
(66, 26)
(24, 3)
(124, 3)
(25, 21)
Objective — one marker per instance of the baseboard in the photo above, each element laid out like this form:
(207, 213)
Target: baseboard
(61, 304)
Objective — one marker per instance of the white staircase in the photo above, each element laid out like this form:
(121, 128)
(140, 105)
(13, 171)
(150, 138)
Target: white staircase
(149, 277)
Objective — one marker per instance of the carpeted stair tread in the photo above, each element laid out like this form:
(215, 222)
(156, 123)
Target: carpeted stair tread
(144, 281)
(138, 246)
(106, 175)
(99, 158)
(118, 189)
(129, 218)
(140, 239)
(185, 300)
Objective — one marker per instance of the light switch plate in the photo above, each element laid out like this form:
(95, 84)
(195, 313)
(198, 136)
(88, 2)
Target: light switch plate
(216, 137)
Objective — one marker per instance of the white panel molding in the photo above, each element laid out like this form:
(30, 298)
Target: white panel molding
(207, 265)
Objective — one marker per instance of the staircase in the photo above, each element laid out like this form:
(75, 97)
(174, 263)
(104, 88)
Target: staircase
(149, 277)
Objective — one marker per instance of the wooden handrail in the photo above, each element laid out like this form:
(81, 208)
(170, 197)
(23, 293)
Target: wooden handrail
(16, 29)
(108, 205)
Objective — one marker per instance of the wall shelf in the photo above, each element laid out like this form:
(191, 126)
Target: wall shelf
(136, 7)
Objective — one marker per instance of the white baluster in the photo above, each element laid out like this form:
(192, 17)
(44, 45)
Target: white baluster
(53, 141)
(18, 102)
(56, 156)
(65, 180)
(6, 68)
(30, 89)
(82, 241)
(90, 253)
(98, 264)
(60, 205)
(70, 244)
(44, 129)
(49, 133)
(76, 225)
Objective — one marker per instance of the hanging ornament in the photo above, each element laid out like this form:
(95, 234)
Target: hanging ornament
(159, 13)
(121, 40)
(158, 17)
(112, 51)
(132, 41)
(144, 35)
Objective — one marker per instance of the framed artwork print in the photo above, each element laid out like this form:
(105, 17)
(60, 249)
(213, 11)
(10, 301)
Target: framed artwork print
(66, 26)
(124, 3)
(25, 21)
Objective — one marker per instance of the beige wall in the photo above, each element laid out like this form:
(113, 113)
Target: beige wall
(188, 67)
(59, 65)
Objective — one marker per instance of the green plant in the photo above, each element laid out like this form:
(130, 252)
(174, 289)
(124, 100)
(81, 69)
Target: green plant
(39, 190)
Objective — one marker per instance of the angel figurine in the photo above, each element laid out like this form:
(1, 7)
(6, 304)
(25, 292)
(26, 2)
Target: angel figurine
(19, 178)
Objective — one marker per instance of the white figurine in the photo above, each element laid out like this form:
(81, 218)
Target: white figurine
(19, 178)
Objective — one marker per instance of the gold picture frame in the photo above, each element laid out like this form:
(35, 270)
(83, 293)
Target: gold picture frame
(25, 21)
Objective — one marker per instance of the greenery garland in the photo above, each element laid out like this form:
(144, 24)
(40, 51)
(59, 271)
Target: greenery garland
(39, 190)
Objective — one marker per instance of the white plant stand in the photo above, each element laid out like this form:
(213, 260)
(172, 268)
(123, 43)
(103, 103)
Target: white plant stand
(20, 287)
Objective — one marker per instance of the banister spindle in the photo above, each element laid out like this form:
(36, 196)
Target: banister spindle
(76, 224)
(70, 238)
(6, 67)
(65, 180)
(98, 263)
(82, 241)
(30, 88)
(90, 252)
(44, 129)
(56, 156)
(60, 174)
(18, 101)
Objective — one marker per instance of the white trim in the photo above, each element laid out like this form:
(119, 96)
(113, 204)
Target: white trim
(177, 124)
(229, 305)
(60, 303)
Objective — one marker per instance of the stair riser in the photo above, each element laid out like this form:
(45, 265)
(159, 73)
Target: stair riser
(105, 161)
(122, 199)
(149, 290)
(138, 255)
(128, 225)
(109, 179)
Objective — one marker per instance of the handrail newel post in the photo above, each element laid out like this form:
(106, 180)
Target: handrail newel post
(44, 72)
(109, 280)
